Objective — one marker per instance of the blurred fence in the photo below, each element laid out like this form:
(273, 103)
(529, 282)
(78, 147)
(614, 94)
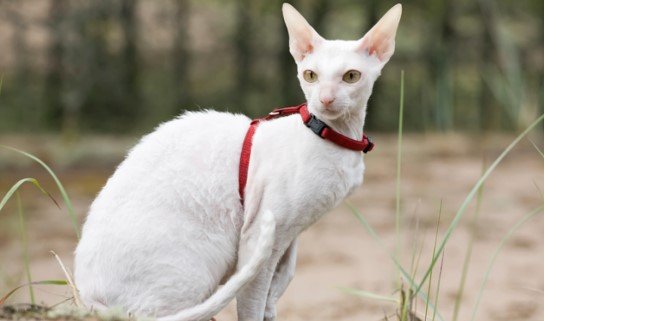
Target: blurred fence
(122, 66)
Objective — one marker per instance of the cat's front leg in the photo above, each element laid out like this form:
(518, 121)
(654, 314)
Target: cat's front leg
(281, 279)
(251, 300)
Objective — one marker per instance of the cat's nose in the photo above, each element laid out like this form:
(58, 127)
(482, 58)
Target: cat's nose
(326, 101)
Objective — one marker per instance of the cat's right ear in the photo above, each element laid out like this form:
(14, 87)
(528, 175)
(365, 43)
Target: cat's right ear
(302, 37)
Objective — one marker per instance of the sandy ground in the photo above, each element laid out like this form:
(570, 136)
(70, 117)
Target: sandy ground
(336, 252)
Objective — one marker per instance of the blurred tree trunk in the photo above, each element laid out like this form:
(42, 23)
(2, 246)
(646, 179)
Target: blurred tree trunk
(489, 118)
(103, 105)
(289, 92)
(375, 113)
(439, 62)
(243, 58)
(130, 81)
(321, 9)
(181, 55)
(55, 72)
(20, 48)
(538, 11)
(21, 72)
(505, 62)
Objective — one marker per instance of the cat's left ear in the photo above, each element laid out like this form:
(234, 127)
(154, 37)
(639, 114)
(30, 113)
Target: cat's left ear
(302, 37)
(379, 40)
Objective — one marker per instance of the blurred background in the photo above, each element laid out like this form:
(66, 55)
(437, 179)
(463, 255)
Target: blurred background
(81, 81)
(120, 66)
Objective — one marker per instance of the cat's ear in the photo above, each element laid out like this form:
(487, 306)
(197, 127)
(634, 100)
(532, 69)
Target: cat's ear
(379, 40)
(302, 37)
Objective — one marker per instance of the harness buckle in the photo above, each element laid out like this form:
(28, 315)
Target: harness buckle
(316, 125)
(370, 145)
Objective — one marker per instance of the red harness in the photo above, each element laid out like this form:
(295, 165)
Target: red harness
(316, 125)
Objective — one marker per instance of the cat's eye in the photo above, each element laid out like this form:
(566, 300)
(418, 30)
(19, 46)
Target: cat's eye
(309, 76)
(352, 76)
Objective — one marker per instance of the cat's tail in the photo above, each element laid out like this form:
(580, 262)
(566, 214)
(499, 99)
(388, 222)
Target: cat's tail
(223, 296)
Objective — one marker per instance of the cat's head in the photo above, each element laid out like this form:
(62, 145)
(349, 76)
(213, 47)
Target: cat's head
(337, 76)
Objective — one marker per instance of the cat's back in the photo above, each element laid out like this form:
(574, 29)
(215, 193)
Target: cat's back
(191, 131)
(188, 163)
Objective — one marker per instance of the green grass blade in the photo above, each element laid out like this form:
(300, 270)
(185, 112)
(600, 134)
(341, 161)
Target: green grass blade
(468, 255)
(365, 224)
(413, 256)
(435, 244)
(21, 218)
(398, 265)
(538, 189)
(417, 255)
(368, 295)
(65, 196)
(398, 171)
(417, 288)
(497, 252)
(18, 184)
(472, 194)
(437, 286)
(404, 306)
(417, 250)
(26, 256)
(44, 282)
(536, 147)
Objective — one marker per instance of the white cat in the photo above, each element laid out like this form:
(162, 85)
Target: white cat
(168, 236)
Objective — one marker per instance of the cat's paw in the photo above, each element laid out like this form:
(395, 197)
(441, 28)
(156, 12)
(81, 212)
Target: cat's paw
(270, 315)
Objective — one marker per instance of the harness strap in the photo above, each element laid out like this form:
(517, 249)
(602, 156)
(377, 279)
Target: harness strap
(245, 158)
(316, 125)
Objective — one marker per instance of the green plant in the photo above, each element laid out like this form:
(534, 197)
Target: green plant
(14, 190)
(414, 289)
(65, 195)
(468, 255)
(491, 262)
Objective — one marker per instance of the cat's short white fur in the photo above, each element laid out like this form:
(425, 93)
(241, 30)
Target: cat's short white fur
(168, 237)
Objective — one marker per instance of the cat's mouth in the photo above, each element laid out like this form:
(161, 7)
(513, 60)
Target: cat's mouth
(331, 112)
